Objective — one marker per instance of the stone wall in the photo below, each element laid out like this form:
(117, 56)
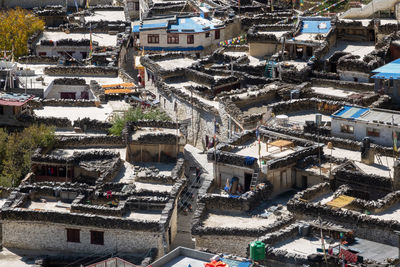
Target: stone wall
(89, 141)
(34, 235)
(33, 59)
(82, 71)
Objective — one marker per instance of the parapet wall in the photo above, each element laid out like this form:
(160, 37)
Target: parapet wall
(82, 71)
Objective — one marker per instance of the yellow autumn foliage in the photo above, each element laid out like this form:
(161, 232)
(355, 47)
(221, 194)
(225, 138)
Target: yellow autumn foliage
(16, 26)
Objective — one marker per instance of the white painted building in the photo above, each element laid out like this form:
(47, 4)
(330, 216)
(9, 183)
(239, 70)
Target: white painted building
(356, 123)
(55, 44)
(185, 34)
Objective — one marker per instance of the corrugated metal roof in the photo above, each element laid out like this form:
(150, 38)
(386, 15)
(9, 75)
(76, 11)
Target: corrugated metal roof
(388, 71)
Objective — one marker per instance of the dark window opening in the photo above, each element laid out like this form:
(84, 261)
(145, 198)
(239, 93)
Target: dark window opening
(96, 238)
(1, 110)
(217, 34)
(207, 34)
(190, 39)
(73, 235)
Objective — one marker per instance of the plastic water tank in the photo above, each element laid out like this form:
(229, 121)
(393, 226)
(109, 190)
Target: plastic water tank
(257, 250)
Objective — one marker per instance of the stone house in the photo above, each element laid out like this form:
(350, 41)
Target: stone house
(184, 34)
(13, 106)
(271, 159)
(358, 122)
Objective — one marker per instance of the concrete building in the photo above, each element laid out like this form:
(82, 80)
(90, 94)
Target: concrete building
(356, 123)
(184, 34)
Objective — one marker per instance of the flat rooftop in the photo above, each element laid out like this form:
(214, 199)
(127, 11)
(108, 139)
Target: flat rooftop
(251, 149)
(73, 113)
(172, 64)
(377, 169)
(242, 220)
(325, 169)
(153, 187)
(368, 249)
(355, 48)
(151, 130)
(392, 213)
(254, 61)
(103, 39)
(183, 87)
(39, 72)
(144, 215)
(69, 152)
(48, 204)
(106, 15)
(330, 91)
(301, 117)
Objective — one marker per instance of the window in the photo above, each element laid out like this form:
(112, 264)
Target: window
(136, 6)
(344, 128)
(42, 54)
(207, 34)
(373, 132)
(73, 235)
(1, 110)
(96, 238)
(173, 38)
(153, 38)
(190, 39)
(175, 106)
(217, 34)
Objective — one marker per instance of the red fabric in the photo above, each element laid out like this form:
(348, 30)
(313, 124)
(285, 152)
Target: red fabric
(350, 257)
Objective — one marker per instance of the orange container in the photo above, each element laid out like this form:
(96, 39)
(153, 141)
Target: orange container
(216, 264)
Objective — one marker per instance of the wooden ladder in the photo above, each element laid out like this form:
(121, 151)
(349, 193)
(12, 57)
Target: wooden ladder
(254, 180)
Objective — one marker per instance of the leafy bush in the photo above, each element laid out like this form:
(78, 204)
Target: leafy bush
(137, 114)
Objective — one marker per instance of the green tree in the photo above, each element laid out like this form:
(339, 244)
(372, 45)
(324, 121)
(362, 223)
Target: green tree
(16, 26)
(137, 114)
(17, 152)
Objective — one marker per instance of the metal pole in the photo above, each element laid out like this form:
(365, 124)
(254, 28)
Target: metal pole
(191, 96)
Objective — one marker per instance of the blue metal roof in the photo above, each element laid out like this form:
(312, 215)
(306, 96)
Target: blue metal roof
(388, 71)
(194, 24)
(189, 24)
(158, 48)
(350, 112)
(382, 75)
(316, 25)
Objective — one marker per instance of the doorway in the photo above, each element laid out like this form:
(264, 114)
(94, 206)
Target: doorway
(247, 181)
(304, 181)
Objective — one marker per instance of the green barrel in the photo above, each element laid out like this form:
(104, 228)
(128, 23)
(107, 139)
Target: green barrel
(257, 250)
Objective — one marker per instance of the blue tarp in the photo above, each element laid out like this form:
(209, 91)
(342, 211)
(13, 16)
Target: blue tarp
(316, 26)
(158, 48)
(249, 161)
